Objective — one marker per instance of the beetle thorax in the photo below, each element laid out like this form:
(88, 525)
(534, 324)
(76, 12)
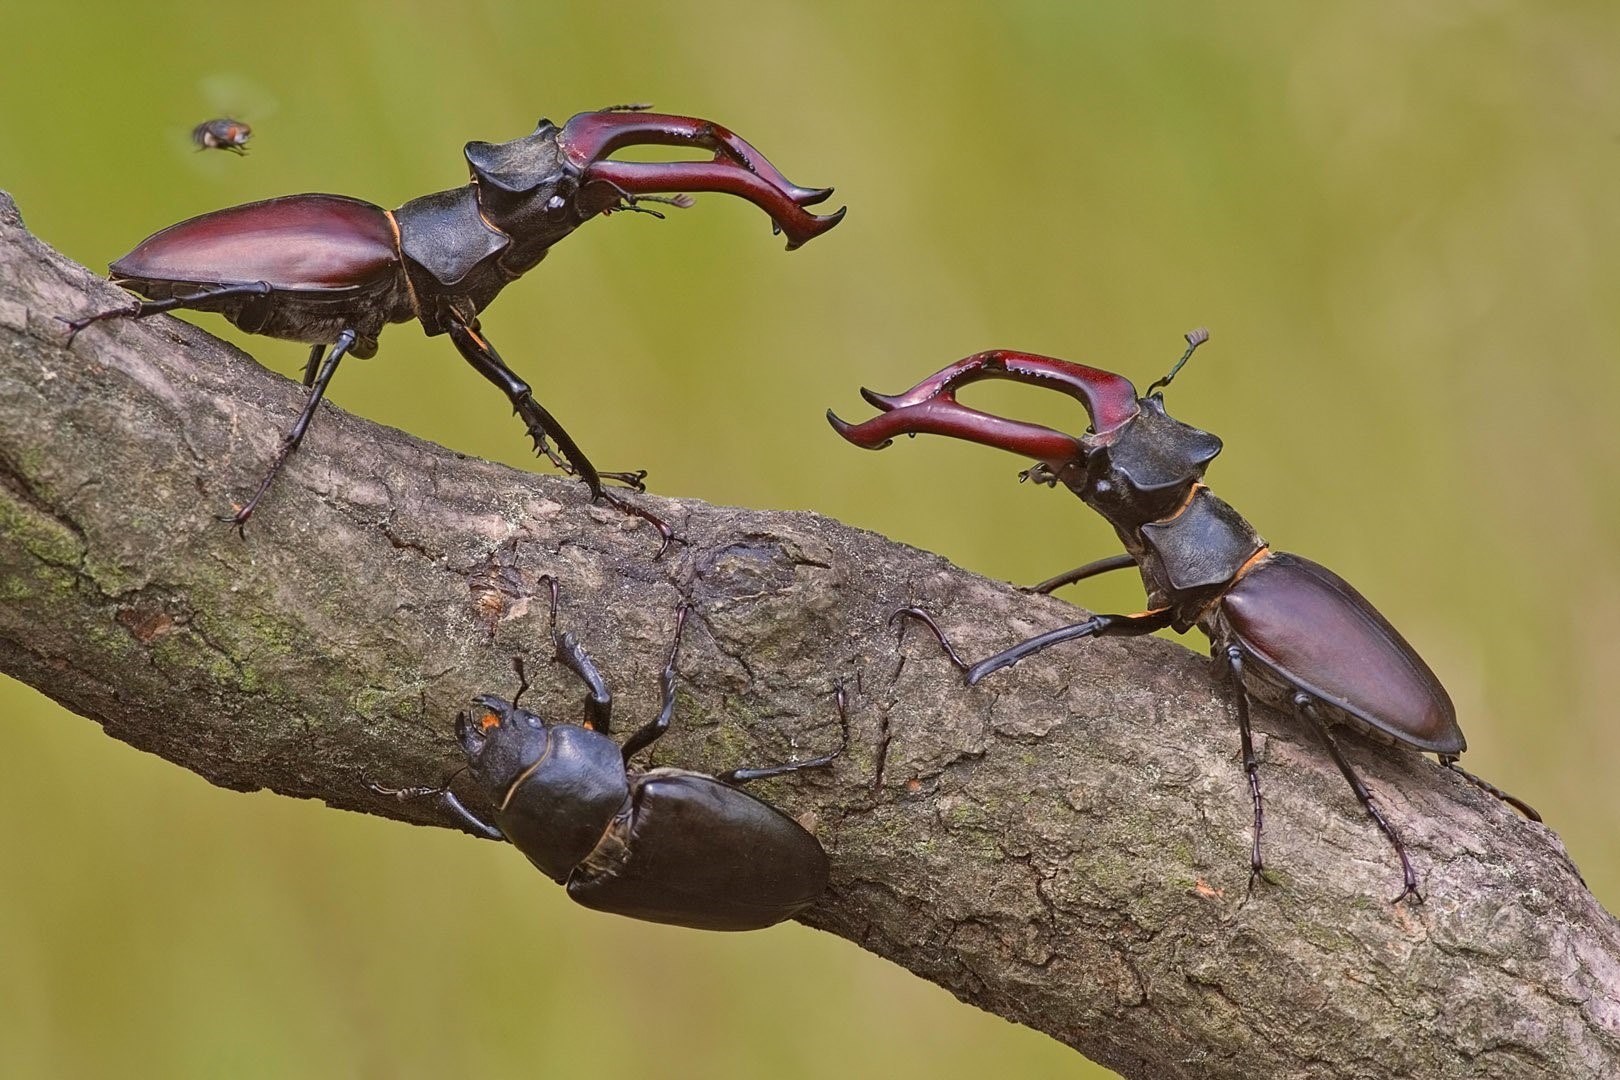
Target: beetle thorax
(558, 808)
(528, 190)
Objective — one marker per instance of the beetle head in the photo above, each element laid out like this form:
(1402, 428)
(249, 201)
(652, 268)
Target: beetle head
(1133, 464)
(527, 189)
(501, 741)
(1146, 468)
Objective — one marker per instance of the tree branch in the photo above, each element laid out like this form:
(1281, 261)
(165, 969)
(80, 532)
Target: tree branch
(1065, 845)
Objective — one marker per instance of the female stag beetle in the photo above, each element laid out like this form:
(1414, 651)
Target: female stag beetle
(332, 271)
(664, 845)
(1287, 631)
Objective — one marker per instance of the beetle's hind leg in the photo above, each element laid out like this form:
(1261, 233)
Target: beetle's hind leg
(1306, 705)
(743, 776)
(143, 308)
(1450, 762)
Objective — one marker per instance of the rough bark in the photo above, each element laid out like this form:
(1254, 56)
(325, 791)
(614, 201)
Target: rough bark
(1066, 845)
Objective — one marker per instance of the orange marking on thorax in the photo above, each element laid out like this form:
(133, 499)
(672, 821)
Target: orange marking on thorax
(1248, 564)
(1192, 493)
(410, 289)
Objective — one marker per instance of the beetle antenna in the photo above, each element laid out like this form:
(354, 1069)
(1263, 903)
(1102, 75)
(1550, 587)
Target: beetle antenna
(405, 793)
(1194, 338)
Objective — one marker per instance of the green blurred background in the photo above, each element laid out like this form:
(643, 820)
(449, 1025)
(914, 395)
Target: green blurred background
(1399, 220)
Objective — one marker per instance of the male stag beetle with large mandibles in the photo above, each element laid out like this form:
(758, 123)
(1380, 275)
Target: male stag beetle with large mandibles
(1287, 631)
(664, 845)
(331, 271)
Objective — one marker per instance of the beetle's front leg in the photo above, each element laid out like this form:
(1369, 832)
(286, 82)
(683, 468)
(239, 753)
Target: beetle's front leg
(478, 352)
(448, 800)
(599, 699)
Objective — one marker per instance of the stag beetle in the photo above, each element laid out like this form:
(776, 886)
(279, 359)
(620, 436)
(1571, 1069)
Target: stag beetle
(1287, 631)
(330, 270)
(664, 845)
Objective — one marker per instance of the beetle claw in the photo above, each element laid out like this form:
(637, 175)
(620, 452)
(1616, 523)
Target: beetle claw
(589, 140)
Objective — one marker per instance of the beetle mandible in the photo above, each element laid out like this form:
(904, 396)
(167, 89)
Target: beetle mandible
(332, 271)
(664, 845)
(1286, 630)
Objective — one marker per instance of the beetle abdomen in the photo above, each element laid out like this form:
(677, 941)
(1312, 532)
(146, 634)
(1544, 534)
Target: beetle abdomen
(699, 853)
(296, 242)
(1315, 632)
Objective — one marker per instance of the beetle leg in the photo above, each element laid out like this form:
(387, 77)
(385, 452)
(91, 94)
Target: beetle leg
(517, 664)
(1080, 573)
(290, 441)
(1251, 764)
(1097, 626)
(1306, 705)
(599, 699)
(939, 635)
(477, 350)
(448, 800)
(313, 364)
(145, 308)
(541, 424)
(743, 776)
(652, 731)
(1520, 805)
